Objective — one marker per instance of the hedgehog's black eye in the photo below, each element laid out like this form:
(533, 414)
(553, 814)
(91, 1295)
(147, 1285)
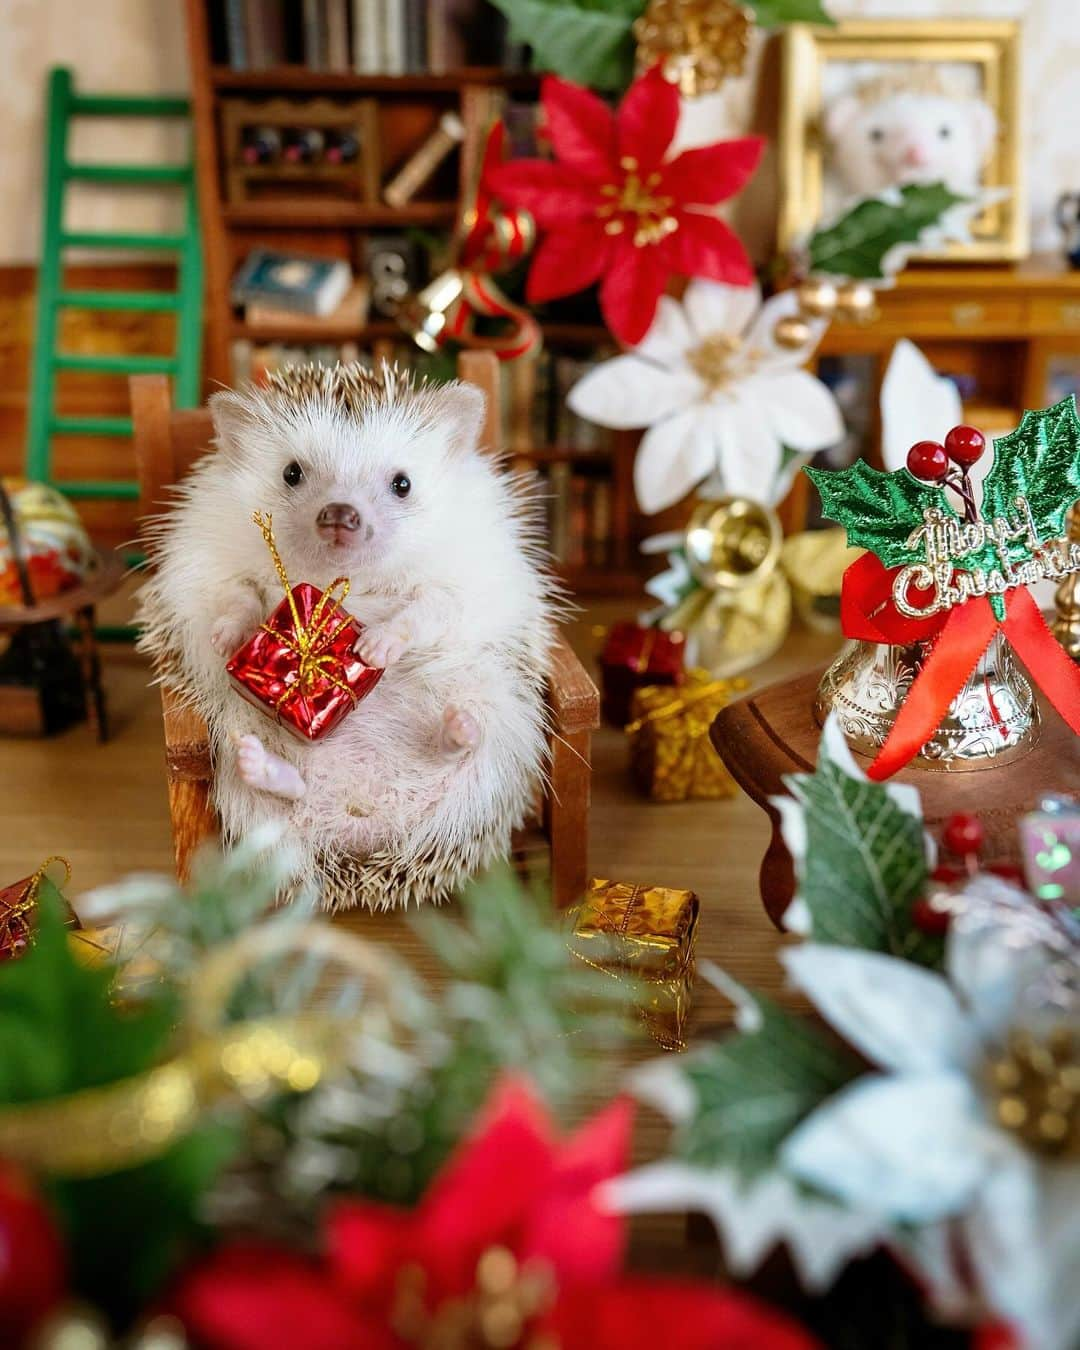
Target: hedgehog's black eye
(877, 134)
(400, 485)
(293, 474)
(944, 131)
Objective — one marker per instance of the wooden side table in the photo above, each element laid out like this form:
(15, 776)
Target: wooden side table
(79, 606)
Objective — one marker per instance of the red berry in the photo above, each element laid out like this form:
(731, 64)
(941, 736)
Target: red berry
(31, 1258)
(927, 918)
(963, 834)
(927, 460)
(965, 445)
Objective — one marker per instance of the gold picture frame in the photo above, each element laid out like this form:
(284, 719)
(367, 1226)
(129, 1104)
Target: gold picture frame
(1000, 232)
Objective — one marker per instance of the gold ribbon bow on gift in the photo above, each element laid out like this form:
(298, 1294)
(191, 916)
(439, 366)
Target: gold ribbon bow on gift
(309, 641)
(15, 923)
(663, 701)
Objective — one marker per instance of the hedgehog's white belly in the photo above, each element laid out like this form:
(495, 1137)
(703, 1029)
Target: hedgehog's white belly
(376, 774)
(369, 782)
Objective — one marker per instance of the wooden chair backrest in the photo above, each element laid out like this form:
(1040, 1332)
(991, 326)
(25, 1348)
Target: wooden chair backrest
(169, 440)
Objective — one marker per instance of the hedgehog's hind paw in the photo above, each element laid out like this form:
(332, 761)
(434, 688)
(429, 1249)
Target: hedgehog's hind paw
(266, 772)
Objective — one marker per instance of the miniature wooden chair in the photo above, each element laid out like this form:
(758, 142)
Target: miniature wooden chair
(167, 444)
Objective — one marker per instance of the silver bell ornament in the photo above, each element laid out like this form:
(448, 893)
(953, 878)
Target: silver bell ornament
(993, 720)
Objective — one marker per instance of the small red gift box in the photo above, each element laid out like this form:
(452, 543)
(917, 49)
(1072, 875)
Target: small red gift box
(632, 657)
(300, 666)
(18, 909)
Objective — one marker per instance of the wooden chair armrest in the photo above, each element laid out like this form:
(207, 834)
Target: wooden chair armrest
(187, 740)
(572, 696)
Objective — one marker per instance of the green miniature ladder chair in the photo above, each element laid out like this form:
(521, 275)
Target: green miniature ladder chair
(186, 301)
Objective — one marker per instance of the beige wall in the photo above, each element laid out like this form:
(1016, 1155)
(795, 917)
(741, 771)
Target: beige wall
(139, 45)
(135, 46)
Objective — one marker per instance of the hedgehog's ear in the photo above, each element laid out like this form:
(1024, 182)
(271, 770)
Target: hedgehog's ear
(839, 114)
(232, 416)
(461, 410)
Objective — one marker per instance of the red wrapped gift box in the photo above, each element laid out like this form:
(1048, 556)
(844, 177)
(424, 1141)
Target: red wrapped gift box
(300, 666)
(633, 657)
(18, 911)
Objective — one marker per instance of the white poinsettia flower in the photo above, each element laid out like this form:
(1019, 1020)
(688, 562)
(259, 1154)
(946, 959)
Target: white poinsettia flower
(918, 1142)
(753, 1215)
(719, 397)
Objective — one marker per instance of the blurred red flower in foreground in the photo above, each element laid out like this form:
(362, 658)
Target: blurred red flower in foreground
(32, 1275)
(505, 1250)
(613, 209)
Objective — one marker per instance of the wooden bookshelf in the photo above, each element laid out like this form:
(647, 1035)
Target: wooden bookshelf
(297, 79)
(409, 107)
(332, 215)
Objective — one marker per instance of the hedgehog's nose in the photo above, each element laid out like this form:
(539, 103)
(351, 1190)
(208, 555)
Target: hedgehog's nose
(338, 516)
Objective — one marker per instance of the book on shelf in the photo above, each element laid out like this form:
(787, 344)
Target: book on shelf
(391, 17)
(298, 282)
(578, 502)
(370, 37)
(352, 312)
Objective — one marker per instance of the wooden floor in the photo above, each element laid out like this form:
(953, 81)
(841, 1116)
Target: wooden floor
(104, 808)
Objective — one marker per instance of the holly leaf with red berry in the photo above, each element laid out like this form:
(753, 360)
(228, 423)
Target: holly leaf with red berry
(1040, 461)
(879, 510)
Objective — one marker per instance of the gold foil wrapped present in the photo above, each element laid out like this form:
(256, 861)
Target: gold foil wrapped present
(647, 934)
(671, 757)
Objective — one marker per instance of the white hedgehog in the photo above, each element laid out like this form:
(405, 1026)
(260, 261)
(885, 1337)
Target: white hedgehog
(378, 479)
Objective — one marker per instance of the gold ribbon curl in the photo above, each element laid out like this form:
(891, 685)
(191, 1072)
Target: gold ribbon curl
(15, 922)
(310, 641)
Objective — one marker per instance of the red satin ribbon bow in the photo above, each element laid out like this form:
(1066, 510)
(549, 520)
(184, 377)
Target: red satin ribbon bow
(490, 240)
(958, 637)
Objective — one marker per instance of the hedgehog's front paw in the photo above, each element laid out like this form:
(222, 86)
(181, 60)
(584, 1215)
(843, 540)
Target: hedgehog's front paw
(266, 772)
(230, 632)
(460, 731)
(381, 645)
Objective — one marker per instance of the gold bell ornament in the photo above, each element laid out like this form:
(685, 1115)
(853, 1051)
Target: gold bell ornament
(993, 720)
(731, 599)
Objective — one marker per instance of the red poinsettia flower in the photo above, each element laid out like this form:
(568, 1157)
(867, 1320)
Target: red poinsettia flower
(506, 1249)
(612, 208)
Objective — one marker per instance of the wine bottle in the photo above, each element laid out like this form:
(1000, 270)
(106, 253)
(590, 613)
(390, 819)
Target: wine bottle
(303, 145)
(342, 147)
(260, 145)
